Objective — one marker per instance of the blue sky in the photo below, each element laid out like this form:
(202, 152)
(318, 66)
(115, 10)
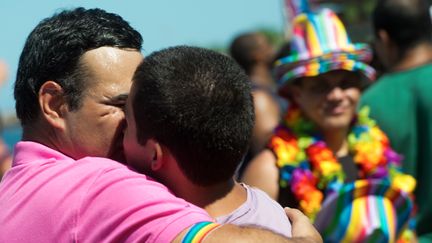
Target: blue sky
(162, 23)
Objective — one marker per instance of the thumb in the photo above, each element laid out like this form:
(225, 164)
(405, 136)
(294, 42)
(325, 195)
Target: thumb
(301, 226)
(294, 215)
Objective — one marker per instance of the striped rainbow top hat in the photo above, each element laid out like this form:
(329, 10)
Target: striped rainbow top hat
(320, 44)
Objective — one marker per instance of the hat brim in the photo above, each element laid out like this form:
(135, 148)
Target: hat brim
(349, 60)
(363, 210)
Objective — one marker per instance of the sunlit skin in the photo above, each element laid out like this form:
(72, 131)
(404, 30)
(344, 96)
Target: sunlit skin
(265, 50)
(329, 100)
(95, 129)
(137, 155)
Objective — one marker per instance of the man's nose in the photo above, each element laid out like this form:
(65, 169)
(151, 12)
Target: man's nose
(336, 93)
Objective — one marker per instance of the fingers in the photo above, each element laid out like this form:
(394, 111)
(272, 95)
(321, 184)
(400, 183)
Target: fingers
(301, 226)
(294, 214)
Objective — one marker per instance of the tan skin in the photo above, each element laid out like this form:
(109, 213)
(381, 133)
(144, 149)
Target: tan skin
(262, 55)
(329, 100)
(267, 113)
(301, 234)
(267, 116)
(92, 130)
(156, 160)
(6, 163)
(95, 129)
(3, 72)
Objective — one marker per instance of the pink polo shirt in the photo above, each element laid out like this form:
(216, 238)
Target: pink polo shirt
(49, 197)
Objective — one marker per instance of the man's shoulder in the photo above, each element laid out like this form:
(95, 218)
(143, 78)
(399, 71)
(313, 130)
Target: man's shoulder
(262, 198)
(403, 76)
(397, 84)
(107, 171)
(100, 163)
(380, 84)
(268, 210)
(378, 90)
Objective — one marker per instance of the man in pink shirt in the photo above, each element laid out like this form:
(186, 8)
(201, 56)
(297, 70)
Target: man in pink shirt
(73, 79)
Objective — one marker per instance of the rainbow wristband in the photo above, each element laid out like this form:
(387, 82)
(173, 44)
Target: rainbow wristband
(198, 231)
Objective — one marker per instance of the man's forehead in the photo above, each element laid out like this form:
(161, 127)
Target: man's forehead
(111, 68)
(330, 77)
(102, 57)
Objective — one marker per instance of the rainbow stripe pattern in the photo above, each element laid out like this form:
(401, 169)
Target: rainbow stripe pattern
(320, 44)
(364, 211)
(198, 231)
(378, 207)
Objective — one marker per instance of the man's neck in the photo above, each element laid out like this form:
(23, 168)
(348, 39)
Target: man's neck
(337, 142)
(415, 57)
(217, 200)
(261, 76)
(40, 133)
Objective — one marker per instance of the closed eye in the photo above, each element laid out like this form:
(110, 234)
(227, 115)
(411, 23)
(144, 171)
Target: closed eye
(118, 101)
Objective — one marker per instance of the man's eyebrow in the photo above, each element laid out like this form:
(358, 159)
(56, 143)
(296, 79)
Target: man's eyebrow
(125, 110)
(119, 98)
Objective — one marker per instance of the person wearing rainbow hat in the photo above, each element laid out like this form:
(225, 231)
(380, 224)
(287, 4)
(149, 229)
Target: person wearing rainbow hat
(332, 162)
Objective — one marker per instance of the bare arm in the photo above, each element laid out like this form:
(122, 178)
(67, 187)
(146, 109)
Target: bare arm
(263, 173)
(302, 231)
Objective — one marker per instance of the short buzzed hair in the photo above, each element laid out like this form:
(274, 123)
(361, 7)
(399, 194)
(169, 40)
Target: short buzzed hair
(197, 103)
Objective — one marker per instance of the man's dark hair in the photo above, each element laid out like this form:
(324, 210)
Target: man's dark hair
(408, 22)
(53, 50)
(198, 104)
(242, 49)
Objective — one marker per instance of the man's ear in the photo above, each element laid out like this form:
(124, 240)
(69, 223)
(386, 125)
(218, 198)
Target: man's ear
(384, 37)
(157, 161)
(53, 103)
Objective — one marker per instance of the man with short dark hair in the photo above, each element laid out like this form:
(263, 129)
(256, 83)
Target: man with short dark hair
(73, 79)
(190, 118)
(401, 100)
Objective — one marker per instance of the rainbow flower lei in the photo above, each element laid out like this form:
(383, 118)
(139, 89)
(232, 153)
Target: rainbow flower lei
(310, 168)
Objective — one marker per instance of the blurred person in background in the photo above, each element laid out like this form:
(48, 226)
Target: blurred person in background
(5, 155)
(5, 158)
(255, 54)
(401, 100)
(333, 163)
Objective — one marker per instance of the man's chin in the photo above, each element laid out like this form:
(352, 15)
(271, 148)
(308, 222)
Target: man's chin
(336, 123)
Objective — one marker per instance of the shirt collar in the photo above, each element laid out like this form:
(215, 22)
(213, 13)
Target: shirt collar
(27, 151)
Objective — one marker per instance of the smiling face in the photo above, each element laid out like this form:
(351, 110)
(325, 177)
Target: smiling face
(329, 100)
(95, 129)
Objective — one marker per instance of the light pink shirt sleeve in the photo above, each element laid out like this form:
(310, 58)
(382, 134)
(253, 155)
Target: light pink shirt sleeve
(127, 208)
